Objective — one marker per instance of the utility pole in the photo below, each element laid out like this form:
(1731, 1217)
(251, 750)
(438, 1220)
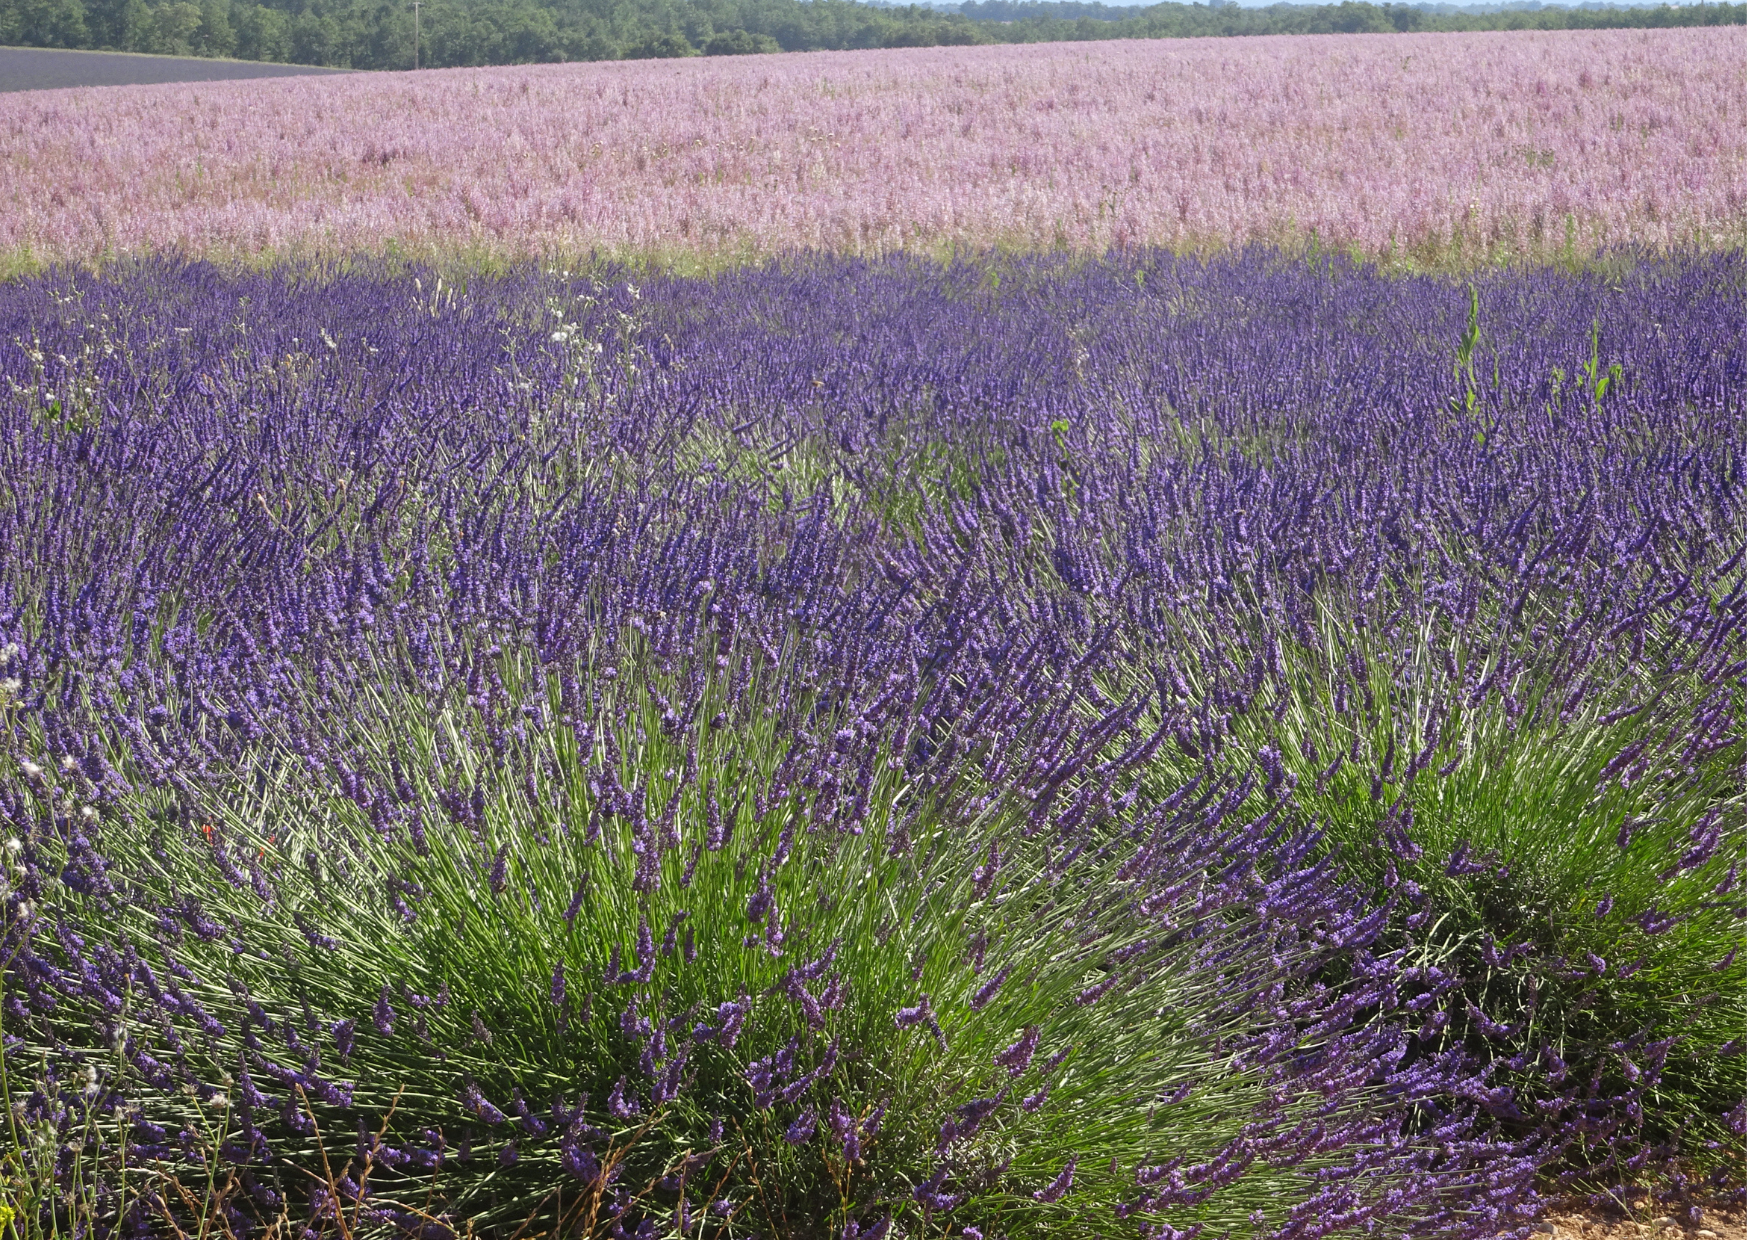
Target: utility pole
(415, 34)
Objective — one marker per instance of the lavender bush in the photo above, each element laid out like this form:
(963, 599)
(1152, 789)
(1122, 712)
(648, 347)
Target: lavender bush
(1023, 747)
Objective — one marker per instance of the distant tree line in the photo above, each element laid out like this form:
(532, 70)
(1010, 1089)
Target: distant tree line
(1032, 21)
(378, 34)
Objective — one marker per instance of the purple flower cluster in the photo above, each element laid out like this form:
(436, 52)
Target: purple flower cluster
(849, 670)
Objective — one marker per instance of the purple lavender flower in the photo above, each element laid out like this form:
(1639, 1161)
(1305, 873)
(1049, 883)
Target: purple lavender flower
(1018, 1056)
(833, 997)
(1092, 994)
(929, 1193)
(731, 1019)
(619, 1106)
(986, 992)
(1485, 1024)
(382, 1016)
(845, 1132)
(580, 1161)
(1058, 1188)
(801, 1130)
(716, 833)
(921, 1014)
(645, 952)
(1653, 922)
(968, 1119)
(475, 1103)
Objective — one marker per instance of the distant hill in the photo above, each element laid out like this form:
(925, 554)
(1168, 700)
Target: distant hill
(371, 34)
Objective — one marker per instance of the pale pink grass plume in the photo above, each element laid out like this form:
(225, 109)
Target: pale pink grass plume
(1490, 143)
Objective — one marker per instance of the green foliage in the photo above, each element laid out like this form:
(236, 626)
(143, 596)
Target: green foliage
(1464, 369)
(739, 43)
(44, 23)
(1597, 379)
(1543, 841)
(896, 909)
(1592, 836)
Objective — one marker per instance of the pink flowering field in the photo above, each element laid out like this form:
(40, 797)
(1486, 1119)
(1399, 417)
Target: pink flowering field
(1481, 145)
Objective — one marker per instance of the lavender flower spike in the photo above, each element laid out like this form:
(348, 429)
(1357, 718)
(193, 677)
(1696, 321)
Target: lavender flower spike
(1058, 1188)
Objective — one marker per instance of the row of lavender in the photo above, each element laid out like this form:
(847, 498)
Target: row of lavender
(854, 747)
(1442, 150)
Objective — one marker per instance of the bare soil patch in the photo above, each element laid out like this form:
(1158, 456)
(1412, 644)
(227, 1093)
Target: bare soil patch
(1652, 1224)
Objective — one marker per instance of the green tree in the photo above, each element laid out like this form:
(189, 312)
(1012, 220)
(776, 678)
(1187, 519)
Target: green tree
(739, 43)
(44, 23)
(175, 28)
(119, 24)
(262, 33)
(216, 36)
(315, 40)
(664, 45)
(1349, 17)
(529, 35)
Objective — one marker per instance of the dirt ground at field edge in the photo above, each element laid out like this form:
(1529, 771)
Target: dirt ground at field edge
(1583, 1224)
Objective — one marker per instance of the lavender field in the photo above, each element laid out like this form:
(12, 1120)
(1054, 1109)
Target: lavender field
(1015, 643)
(1028, 747)
(1427, 149)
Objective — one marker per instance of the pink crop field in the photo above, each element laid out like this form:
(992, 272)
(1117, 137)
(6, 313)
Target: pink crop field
(1423, 145)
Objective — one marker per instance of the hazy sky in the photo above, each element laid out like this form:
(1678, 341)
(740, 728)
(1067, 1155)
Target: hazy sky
(1261, 4)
